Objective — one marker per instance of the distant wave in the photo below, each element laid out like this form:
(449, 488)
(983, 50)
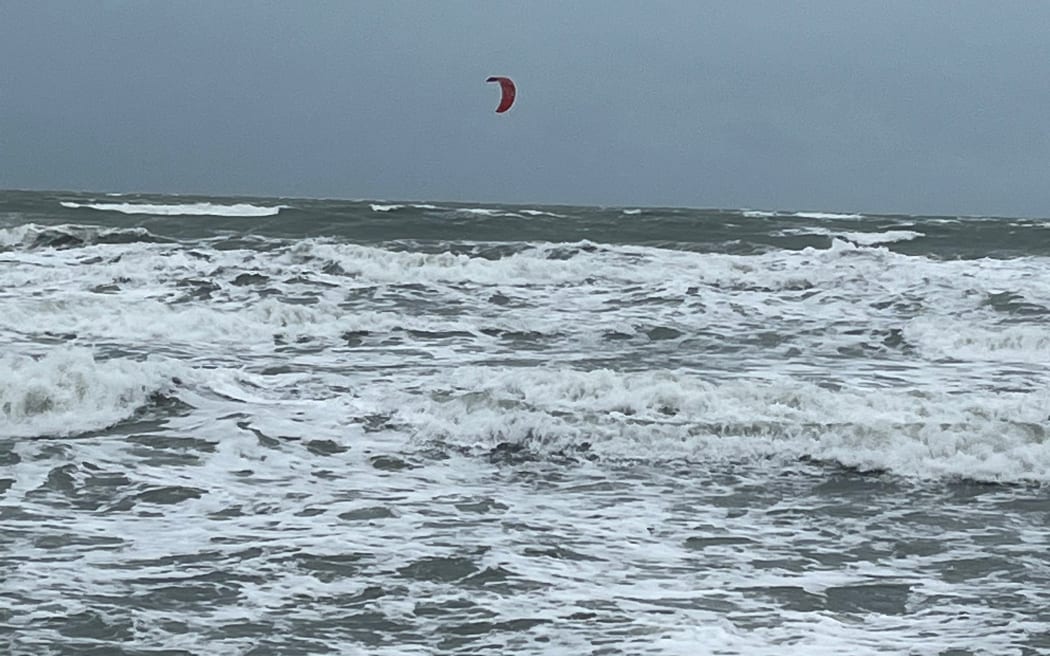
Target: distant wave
(484, 212)
(379, 207)
(182, 209)
(542, 213)
(826, 215)
(765, 214)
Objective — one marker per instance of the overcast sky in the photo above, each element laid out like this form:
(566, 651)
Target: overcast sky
(893, 106)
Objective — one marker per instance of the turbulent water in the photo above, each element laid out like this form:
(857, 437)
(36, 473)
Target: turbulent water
(281, 426)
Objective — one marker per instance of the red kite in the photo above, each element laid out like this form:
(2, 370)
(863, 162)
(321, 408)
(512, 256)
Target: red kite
(506, 85)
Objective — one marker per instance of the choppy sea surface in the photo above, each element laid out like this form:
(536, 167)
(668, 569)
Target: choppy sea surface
(234, 426)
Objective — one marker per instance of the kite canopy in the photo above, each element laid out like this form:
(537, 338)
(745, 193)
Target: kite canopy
(506, 85)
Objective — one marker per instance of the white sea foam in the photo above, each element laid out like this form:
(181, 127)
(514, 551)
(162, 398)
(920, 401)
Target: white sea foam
(181, 209)
(376, 207)
(840, 272)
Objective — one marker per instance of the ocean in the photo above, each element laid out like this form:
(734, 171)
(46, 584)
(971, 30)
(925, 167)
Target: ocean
(248, 426)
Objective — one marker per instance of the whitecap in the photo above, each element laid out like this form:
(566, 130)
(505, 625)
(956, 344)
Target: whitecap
(180, 209)
(542, 213)
(826, 215)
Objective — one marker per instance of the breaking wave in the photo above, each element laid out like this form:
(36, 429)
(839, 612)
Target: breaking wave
(68, 392)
